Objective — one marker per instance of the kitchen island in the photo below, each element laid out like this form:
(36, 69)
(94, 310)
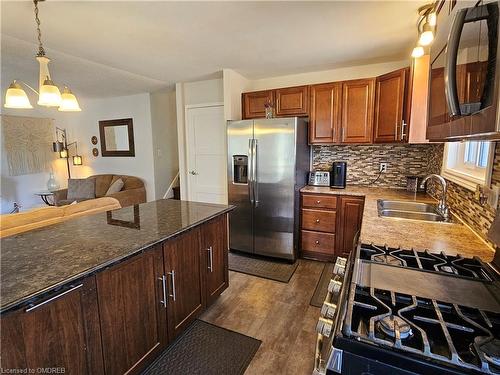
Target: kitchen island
(452, 238)
(106, 293)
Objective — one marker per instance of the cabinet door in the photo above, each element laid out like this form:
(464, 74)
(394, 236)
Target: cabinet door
(357, 110)
(292, 101)
(60, 331)
(253, 103)
(133, 318)
(325, 113)
(389, 101)
(215, 257)
(349, 224)
(183, 270)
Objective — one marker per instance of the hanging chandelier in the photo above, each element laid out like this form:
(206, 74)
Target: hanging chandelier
(48, 93)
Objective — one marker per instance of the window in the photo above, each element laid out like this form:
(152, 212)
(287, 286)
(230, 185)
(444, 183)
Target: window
(468, 163)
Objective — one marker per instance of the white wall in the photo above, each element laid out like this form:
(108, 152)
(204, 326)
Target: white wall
(234, 85)
(340, 74)
(86, 125)
(193, 93)
(81, 126)
(21, 189)
(164, 129)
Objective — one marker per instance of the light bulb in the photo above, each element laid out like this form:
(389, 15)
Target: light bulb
(69, 102)
(15, 97)
(63, 154)
(77, 160)
(417, 52)
(427, 35)
(49, 95)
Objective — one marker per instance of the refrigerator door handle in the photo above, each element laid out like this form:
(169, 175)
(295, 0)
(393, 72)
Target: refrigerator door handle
(250, 168)
(255, 171)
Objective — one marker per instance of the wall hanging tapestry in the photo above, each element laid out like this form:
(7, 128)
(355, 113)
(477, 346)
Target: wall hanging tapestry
(27, 142)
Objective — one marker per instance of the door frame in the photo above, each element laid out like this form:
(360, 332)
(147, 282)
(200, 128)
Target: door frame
(184, 171)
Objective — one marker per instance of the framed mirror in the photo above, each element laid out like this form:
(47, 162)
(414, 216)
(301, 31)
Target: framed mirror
(117, 137)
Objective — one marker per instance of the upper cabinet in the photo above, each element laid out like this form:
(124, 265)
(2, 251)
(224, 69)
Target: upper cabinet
(292, 101)
(253, 103)
(357, 110)
(324, 126)
(389, 123)
(287, 102)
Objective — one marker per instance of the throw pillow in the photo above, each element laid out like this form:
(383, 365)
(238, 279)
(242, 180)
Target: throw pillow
(81, 188)
(115, 187)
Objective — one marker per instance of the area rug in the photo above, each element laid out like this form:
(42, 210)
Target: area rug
(268, 269)
(322, 286)
(206, 349)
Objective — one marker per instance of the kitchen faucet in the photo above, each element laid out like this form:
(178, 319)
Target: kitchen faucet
(442, 206)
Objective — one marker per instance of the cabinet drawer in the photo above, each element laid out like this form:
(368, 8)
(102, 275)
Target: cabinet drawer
(318, 220)
(319, 201)
(318, 242)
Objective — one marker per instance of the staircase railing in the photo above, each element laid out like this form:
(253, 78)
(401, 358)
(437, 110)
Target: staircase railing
(171, 187)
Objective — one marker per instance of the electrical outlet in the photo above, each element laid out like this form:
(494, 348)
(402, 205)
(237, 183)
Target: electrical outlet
(382, 168)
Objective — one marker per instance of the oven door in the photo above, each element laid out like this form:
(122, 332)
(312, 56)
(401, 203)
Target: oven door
(470, 71)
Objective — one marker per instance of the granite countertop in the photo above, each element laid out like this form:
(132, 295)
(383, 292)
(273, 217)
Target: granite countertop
(44, 259)
(452, 238)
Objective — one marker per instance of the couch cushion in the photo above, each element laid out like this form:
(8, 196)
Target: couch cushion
(102, 183)
(25, 218)
(91, 205)
(115, 187)
(81, 188)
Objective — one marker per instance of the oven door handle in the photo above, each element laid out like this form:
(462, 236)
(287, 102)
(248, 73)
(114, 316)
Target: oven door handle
(450, 67)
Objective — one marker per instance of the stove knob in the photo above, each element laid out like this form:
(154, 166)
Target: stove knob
(341, 261)
(324, 327)
(335, 285)
(339, 269)
(328, 310)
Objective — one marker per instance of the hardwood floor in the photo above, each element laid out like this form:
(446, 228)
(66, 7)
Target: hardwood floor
(279, 314)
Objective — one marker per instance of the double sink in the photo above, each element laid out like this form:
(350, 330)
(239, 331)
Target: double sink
(410, 210)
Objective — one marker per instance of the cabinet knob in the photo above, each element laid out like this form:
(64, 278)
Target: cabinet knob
(317, 242)
(318, 202)
(317, 220)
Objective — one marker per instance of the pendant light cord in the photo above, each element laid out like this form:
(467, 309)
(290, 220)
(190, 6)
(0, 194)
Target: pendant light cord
(41, 51)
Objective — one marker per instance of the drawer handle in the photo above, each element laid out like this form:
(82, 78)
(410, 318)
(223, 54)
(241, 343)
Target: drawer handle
(317, 242)
(318, 202)
(317, 220)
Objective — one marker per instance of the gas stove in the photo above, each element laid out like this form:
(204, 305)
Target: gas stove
(403, 311)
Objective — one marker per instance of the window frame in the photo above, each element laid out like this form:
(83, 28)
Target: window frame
(467, 180)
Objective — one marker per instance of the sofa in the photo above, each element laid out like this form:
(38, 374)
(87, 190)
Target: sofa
(11, 224)
(133, 191)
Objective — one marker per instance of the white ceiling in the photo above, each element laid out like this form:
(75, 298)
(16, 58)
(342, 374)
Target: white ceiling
(120, 48)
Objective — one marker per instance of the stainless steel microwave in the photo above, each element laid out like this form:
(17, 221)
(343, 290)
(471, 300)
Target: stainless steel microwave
(464, 98)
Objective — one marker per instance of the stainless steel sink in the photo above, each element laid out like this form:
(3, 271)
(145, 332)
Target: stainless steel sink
(409, 210)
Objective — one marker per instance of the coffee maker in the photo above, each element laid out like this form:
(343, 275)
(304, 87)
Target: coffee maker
(338, 175)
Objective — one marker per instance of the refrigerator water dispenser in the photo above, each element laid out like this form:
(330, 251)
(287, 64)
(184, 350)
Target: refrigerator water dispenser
(240, 169)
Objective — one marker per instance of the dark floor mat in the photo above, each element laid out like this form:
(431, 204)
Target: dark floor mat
(322, 286)
(268, 269)
(206, 349)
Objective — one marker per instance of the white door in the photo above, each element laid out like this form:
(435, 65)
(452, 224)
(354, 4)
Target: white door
(206, 154)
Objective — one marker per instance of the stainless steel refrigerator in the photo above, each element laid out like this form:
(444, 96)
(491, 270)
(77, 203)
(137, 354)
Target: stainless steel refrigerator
(268, 161)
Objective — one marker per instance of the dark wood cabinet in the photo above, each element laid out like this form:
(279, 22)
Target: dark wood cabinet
(389, 122)
(292, 101)
(349, 223)
(324, 126)
(214, 245)
(122, 318)
(357, 110)
(132, 315)
(253, 103)
(183, 270)
(61, 331)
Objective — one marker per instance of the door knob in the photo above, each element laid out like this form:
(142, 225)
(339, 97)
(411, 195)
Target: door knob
(194, 173)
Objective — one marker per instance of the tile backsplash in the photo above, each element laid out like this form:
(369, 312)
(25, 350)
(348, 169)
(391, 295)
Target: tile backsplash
(363, 162)
(462, 202)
